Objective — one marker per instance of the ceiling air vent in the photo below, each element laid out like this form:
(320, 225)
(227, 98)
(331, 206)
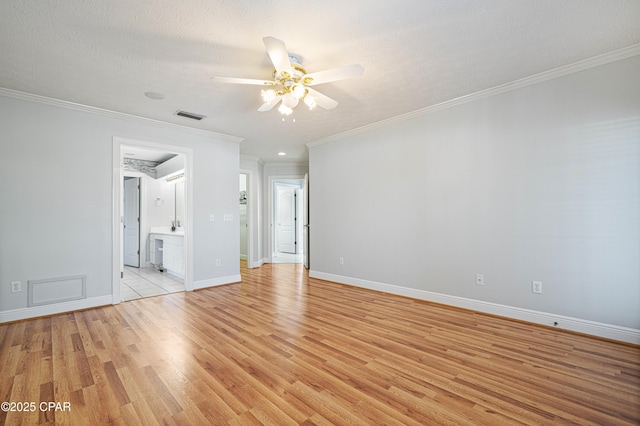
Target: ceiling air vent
(190, 115)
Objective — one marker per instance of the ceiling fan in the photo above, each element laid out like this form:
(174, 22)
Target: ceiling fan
(291, 83)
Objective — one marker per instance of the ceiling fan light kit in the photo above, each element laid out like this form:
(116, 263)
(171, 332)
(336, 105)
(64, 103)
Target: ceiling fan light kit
(290, 81)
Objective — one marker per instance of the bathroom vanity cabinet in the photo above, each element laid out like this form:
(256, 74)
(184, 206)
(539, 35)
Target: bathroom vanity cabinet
(166, 249)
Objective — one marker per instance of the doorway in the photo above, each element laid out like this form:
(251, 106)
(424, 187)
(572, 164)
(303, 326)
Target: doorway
(288, 199)
(152, 217)
(248, 212)
(244, 218)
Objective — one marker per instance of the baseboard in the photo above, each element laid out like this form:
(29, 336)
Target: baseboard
(256, 264)
(213, 282)
(607, 331)
(54, 308)
(243, 257)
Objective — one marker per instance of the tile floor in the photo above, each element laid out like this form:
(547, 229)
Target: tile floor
(147, 282)
(286, 258)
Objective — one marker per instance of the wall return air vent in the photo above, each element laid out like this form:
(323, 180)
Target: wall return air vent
(190, 115)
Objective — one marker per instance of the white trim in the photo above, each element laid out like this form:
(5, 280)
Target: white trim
(53, 309)
(271, 213)
(116, 220)
(108, 113)
(118, 143)
(256, 264)
(586, 64)
(214, 282)
(143, 216)
(245, 157)
(251, 200)
(608, 331)
(293, 163)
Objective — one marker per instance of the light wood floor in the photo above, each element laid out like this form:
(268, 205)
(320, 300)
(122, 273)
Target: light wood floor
(281, 349)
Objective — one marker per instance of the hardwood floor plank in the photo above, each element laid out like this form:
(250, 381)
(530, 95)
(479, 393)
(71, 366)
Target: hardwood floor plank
(282, 348)
(161, 389)
(145, 414)
(245, 419)
(129, 415)
(334, 410)
(115, 384)
(46, 395)
(190, 395)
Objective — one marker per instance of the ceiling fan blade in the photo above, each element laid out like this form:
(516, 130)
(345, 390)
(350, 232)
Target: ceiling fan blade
(244, 81)
(278, 53)
(322, 100)
(334, 74)
(269, 105)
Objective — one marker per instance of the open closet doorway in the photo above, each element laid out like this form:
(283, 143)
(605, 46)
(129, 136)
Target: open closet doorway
(287, 199)
(248, 212)
(244, 218)
(153, 206)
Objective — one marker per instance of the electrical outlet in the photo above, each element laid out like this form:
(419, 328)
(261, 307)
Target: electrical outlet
(218, 262)
(536, 287)
(16, 286)
(212, 218)
(341, 260)
(479, 279)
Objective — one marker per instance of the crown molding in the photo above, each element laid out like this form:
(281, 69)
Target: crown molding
(280, 163)
(15, 94)
(251, 158)
(585, 64)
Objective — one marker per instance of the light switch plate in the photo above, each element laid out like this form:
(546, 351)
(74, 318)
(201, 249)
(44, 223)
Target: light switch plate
(536, 287)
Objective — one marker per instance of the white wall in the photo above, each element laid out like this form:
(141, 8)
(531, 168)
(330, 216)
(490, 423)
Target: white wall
(162, 215)
(540, 183)
(56, 209)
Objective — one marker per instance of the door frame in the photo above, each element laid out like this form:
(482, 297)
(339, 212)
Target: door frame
(143, 212)
(291, 188)
(250, 217)
(271, 212)
(305, 222)
(116, 223)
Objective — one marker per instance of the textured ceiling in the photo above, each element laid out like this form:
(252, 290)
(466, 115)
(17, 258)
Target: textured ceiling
(418, 53)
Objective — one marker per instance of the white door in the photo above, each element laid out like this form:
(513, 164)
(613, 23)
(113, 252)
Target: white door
(286, 219)
(131, 233)
(305, 221)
